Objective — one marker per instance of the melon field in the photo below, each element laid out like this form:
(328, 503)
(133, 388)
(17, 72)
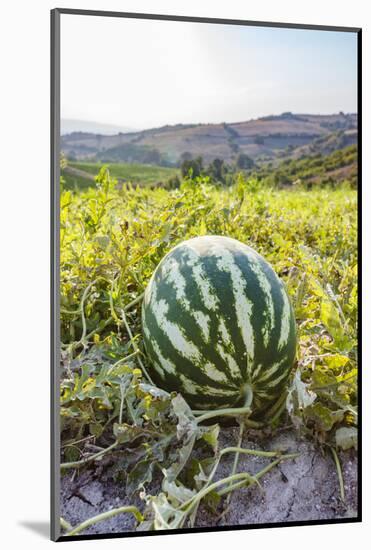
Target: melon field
(149, 443)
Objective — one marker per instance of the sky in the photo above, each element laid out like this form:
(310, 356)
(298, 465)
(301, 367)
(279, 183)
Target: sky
(144, 74)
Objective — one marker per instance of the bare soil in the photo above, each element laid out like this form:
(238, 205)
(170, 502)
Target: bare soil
(302, 489)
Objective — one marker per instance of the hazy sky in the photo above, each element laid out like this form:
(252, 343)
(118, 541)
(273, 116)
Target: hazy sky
(144, 74)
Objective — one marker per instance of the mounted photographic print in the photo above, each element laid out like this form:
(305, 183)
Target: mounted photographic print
(205, 199)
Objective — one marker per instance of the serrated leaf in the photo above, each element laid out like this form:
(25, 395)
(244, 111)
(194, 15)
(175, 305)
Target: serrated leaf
(323, 417)
(82, 379)
(187, 425)
(335, 361)
(154, 391)
(139, 475)
(181, 460)
(211, 434)
(202, 470)
(177, 493)
(126, 433)
(71, 454)
(330, 317)
(166, 516)
(96, 429)
(323, 379)
(212, 500)
(299, 395)
(327, 385)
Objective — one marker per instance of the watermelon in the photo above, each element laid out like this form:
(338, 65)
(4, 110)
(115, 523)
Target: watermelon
(218, 325)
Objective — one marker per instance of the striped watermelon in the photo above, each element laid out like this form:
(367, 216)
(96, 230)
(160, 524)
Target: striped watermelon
(217, 323)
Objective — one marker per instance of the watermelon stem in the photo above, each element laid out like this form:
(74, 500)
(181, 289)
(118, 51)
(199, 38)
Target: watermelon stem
(339, 472)
(248, 393)
(274, 413)
(135, 346)
(245, 410)
(242, 479)
(223, 412)
(65, 524)
(237, 455)
(82, 462)
(257, 476)
(101, 517)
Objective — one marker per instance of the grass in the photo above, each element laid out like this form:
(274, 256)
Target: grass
(141, 174)
(75, 181)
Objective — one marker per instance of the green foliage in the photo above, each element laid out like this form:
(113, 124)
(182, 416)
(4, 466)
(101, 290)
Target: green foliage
(131, 152)
(217, 170)
(314, 170)
(192, 167)
(139, 174)
(244, 162)
(112, 238)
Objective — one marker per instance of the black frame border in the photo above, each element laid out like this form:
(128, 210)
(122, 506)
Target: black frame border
(55, 265)
(54, 275)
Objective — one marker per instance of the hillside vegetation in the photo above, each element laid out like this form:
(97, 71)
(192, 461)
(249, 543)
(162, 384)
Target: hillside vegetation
(333, 169)
(265, 138)
(313, 170)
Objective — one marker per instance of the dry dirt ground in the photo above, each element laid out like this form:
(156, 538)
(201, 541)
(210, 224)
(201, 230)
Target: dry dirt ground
(302, 489)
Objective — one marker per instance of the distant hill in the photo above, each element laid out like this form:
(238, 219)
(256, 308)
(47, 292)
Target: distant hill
(264, 139)
(69, 125)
